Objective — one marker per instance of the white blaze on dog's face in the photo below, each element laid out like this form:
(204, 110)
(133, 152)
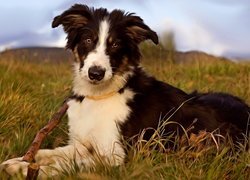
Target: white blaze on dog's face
(105, 45)
(97, 67)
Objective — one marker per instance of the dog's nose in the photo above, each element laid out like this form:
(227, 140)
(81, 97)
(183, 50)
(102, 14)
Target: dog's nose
(96, 73)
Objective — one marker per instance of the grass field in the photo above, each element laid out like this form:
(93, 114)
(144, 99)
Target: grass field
(30, 92)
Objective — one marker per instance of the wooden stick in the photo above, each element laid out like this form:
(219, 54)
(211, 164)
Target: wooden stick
(40, 136)
(33, 170)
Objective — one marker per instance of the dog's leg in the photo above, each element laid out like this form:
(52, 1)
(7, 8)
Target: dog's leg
(51, 162)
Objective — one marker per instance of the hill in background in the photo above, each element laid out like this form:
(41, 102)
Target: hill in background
(39, 54)
(53, 54)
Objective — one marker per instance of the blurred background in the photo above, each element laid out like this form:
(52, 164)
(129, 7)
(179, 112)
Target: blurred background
(215, 27)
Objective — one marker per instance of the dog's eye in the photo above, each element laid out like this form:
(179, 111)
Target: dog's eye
(88, 41)
(115, 45)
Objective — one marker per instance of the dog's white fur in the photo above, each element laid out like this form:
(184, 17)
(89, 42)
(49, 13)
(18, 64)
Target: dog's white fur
(92, 124)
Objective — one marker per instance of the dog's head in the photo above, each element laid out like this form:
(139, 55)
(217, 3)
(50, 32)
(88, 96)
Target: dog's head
(105, 43)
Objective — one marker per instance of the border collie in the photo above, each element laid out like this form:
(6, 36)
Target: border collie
(114, 99)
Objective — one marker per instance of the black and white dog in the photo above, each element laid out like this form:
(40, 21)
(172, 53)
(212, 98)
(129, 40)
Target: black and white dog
(115, 99)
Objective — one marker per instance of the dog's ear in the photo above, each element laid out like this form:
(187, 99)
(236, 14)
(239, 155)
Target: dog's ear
(138, 31)
(75, 17)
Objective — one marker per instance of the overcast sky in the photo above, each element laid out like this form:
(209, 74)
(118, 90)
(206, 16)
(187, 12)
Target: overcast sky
(219, 27)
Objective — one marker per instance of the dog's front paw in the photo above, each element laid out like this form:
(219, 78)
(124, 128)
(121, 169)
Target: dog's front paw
(14, 166)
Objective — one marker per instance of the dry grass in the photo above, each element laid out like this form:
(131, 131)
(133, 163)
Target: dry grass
(30, 92)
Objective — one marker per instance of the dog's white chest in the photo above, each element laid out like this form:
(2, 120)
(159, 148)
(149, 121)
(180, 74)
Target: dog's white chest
(96, 121)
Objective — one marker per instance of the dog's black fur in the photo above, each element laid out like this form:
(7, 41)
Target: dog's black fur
(219, 112)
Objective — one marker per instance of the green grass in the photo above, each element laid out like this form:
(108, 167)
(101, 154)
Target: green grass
(30, 92)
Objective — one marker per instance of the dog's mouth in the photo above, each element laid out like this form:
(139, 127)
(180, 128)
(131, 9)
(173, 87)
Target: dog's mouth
(95, 82)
